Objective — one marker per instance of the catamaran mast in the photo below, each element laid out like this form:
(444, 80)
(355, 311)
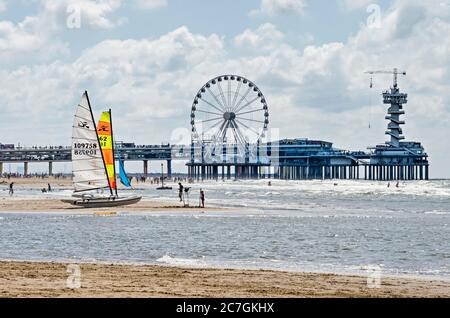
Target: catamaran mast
(113, 154)
(96, 133)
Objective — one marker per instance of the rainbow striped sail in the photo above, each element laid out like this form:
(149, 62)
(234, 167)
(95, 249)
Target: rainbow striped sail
(104, 132)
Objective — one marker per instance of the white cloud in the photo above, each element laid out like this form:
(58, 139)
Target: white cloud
(38, 34)
(19, 40)
(16, 36)
(264, 37)
(94, 14)
(3, 5)
(355, 4)
(274, 7)
(150, 4)
(151, 79)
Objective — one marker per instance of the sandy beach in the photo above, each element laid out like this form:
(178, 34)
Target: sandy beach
(54, 205)
(16, 203)
(48, 279)
(36, 279)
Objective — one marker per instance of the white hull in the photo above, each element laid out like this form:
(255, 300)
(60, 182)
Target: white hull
(103, 202)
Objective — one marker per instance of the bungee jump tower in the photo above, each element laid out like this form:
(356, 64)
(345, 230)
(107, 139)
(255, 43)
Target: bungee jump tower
(397, 159)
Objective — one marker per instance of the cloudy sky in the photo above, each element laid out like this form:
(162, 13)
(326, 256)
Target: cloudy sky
(146, 59)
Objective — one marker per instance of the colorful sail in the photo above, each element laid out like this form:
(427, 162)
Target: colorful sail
(123, 175)
(104, 132)
(87, 164)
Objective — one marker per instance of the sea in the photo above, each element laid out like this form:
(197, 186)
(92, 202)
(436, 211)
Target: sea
(343, 227)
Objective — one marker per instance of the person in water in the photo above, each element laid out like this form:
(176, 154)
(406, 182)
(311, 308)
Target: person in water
(180, 191)
(202, 198)
(49, 187)
(11, 189)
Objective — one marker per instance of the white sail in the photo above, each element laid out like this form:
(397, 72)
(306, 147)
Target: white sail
(88, 167)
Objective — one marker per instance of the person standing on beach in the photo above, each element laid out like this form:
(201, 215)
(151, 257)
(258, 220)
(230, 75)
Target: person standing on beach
(11, 189)
(202, 198)
(49, 187)
(180, 191)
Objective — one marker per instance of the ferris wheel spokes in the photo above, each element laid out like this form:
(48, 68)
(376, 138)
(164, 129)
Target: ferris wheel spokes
(212, 105)
(207, 112)
(246, 105)
(217, 116)
(242, 98)
(236, 93)
(250, 111)
(222, 95)
(249, 128)
(216, 99)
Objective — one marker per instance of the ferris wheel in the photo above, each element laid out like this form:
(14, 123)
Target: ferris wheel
(229, 110)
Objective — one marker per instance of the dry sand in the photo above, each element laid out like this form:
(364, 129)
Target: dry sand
(33, 279)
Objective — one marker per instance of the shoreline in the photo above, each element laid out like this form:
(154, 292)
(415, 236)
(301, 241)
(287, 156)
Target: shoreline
(45, 202)
(48, 279)
(49, 205)
(398, 276)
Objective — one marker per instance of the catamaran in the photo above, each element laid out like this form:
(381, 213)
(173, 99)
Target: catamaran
(93, 161)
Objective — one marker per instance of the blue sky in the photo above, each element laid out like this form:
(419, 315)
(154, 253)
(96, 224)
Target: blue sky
(147, 59)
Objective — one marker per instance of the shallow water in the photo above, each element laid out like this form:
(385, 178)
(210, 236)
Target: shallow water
(299, 226)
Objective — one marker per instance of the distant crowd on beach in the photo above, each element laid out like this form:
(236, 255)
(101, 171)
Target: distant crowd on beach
(10, 175)
(136, 179)
(157, 180)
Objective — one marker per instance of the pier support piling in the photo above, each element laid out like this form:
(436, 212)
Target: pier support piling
(169, 168)
(145, 168)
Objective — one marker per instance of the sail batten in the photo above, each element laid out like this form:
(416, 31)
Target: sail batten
(87, 162)
(81, 106)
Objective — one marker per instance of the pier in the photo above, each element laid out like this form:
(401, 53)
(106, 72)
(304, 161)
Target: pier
(220, 149)
(291, 159)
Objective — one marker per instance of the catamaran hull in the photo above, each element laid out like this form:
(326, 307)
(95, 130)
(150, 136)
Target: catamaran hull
(103, 202)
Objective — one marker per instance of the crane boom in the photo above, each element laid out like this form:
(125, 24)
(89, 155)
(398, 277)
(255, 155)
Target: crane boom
(395, 72)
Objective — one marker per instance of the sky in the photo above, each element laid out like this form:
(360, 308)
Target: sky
(146, 60)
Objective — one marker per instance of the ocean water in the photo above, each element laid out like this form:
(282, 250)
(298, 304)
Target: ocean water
(312, 226)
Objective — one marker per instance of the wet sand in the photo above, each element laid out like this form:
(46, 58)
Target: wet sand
(36, 183)
(45, 203)
(38, 279)
(54, 205)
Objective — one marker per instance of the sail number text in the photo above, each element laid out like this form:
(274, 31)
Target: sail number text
(84, 148)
